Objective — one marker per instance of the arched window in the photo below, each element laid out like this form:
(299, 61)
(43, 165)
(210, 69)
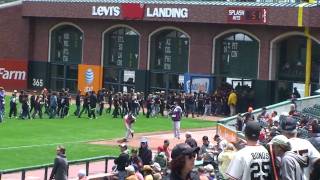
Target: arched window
(65, 55)
(66, 45)
(120, 58)
(168, 59)
(237, 56)
(121, 48)
(170, 51)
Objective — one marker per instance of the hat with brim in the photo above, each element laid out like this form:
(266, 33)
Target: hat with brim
(183, 149)
(130, 168)
(123, 145)
(279, 140)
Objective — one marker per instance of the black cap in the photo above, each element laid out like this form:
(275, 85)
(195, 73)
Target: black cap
(183, 149)
(252, 130)
(288, 124)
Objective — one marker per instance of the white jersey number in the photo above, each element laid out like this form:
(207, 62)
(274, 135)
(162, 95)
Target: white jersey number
(256, 169)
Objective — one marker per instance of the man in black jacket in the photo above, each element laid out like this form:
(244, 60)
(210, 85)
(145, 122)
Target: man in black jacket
(93, 103)
(144, 152)
(60, 167)
(122, 161)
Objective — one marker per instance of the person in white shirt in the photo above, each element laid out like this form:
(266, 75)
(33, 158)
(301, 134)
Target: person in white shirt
(253, 161)
(298, 145)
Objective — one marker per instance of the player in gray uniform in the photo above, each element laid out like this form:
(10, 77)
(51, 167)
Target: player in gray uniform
(253, 161)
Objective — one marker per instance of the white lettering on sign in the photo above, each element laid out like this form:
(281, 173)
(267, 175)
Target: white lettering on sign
(236, 12)
(12, 75)
(167, 12)
(105, 11)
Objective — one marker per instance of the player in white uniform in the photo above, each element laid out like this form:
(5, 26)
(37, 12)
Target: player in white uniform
(253, 161)
(298, 145)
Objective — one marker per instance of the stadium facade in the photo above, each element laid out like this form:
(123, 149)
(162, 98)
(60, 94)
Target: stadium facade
(149, 45)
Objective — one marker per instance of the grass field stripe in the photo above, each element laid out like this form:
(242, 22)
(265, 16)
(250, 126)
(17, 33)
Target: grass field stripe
(300, 14)
(52, 144)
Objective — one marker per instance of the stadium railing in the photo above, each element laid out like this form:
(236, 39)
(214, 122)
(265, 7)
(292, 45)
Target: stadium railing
(227, 129)
(46, 167)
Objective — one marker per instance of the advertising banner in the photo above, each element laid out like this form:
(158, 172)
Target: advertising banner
(196, 83)
(37, 75)
(89, 77)
(132, 11)
(227, 133)
(13, 74)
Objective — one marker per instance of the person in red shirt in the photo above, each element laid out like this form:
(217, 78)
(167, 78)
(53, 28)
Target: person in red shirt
(165, 148)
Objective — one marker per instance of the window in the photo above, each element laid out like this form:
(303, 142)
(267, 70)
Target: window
(121, 48)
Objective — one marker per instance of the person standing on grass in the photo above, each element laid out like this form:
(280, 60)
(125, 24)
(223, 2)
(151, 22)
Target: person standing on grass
(93, 104)
(129, 119)
(2, 96)
(176, 114)
(13, 104)
(60, 166)
(85, 105)
(78, 103)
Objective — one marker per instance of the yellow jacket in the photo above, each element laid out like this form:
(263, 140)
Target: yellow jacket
(232, 99)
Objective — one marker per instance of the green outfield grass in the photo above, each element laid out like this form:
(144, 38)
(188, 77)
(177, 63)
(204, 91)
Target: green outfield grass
(33, 142)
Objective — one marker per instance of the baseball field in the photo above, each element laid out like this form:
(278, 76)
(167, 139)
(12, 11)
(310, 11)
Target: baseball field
(33, 142)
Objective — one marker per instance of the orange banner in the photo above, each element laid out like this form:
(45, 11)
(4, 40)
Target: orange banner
(227, 134)
(89, 77)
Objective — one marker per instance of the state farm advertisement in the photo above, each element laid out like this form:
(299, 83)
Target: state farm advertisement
(13, 74)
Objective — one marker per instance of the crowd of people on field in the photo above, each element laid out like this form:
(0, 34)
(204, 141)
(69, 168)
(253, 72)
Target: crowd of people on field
(36, 104)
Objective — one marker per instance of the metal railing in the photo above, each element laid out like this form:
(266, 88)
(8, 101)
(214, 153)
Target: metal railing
(86, 161)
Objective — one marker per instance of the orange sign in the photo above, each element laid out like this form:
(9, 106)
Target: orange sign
(89, 77)
(227, 133)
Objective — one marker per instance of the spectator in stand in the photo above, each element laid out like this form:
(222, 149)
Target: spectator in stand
(2, 103)
(122, 161)
(135, 159)
(60, 166)
(304, 147)
(144, 152)
(315, 137)
(82, 175)
(296, 93)
(225, 158)
(138, 173)
(315, 174)
(202, 173)
(210, 172)
(293, 111)
(239, 123)
(165, 148)
(206, 151)
(13, 104)
(221, 143)
(292, 164)
(232, 102)
(156, 171)
(182, 164)
(249, 116)
(190, 141)
(252, 156)
(131, 173)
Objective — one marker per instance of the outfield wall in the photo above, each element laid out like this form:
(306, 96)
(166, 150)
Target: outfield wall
(226, 127)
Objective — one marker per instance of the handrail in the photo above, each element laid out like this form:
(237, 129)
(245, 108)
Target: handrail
(9, 171)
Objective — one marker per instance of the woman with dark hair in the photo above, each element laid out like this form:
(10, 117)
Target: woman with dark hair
(183, 157)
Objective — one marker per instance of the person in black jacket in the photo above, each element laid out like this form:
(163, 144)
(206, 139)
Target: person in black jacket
(93, 103)
(78, 103)
(60, 166)
(122, 161)
(144, 152)
(85, 105)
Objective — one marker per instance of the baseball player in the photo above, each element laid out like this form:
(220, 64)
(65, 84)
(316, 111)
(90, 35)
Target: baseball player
(253, 161)
(129, 119)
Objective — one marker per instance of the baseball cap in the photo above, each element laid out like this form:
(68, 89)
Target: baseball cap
(166, 141)
(130, 168)
(209, 168)
(81, 173)
(183, 149)
(143, 140)
(279, 140)
(288, 124)
(252, 129)
(123, 145)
